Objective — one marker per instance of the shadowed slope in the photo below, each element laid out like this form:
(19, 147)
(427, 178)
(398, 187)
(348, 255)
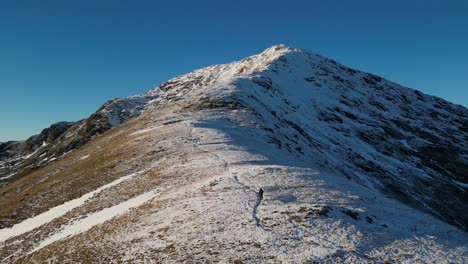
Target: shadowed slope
(334, 149)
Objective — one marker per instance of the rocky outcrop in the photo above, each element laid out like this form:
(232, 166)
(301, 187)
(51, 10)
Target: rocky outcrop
(18, 158)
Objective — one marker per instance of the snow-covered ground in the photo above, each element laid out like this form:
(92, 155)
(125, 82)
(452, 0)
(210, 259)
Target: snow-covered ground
(210, 211)
(301, 128)
(86, 223)
(55, 212)
(8, 176)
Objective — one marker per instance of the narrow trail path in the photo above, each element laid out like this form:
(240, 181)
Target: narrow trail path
(299, 230)
(227, 168)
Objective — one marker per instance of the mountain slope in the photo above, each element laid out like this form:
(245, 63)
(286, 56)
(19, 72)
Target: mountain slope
(410, 145)
(349, 166)
(19, 158)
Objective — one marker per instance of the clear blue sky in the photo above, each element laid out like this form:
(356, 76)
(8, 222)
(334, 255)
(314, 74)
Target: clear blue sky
(60, 60)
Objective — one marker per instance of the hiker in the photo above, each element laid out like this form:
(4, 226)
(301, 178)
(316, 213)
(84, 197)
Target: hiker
(260, 193)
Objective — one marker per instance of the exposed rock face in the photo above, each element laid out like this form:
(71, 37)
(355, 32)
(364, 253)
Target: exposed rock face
(18, 158)
(16, 148)
(12, 153)
(352, 168)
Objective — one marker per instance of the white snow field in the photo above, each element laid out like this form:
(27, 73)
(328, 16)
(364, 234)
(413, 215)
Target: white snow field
(303, 129)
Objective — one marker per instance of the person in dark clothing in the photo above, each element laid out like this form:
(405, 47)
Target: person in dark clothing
(260, 193)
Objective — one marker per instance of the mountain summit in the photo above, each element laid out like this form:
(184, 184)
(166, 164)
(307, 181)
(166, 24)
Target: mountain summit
(284, 156)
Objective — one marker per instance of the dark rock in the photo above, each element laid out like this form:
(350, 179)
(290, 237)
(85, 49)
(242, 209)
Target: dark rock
(353, 215)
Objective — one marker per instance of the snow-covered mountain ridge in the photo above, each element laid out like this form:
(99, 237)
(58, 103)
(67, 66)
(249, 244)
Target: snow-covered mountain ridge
(351, 167)
(410, 145)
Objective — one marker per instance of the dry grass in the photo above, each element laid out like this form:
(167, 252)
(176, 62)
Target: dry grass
(111, 155)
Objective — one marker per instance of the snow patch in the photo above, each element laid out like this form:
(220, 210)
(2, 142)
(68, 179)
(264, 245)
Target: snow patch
(464, 185)
(6, 177)
(143, 131)
(53, 213)
(97, 218)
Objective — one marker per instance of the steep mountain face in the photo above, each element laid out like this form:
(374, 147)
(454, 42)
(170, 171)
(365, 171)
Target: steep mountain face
(18, 158)
(14, 148)
(12, 153)
(409, 145)
(282, 156)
